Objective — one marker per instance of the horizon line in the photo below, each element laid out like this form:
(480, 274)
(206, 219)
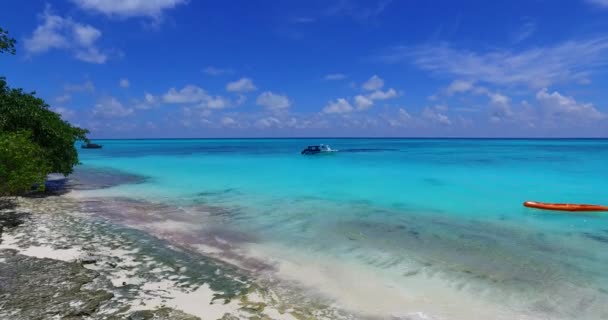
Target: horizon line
(412, 138)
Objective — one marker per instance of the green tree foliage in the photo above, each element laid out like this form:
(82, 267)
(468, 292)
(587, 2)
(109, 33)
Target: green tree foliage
(7, 44)
(34, 141)
(22, 163)
(20, 111)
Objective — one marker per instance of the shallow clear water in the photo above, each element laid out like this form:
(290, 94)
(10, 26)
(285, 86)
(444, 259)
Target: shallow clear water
(441, 209)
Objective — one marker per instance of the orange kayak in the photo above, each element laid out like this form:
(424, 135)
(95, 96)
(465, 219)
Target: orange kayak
(565, 206)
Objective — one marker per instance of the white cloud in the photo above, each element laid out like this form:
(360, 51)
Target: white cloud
(363, 102)
(241, 86)
(436, 115)
(129, 8)
(85, 35)
(383, 95)
(188, 94)
(500, 107)
(213, 71)
(524, 32)
(556, 105)
(63, 98)
(273, 101)
(228, 121)
(339, 106)
(459, 86)
(241, 99)
(373, 83)
(56, 32)
(86, 86)
(335, 76)
(111, 108)
(91, 55)
(148, 102)
(215, 102)
(124, 83)
(65, 113)
(534, 67)
(47, 35)
(497, 98)
(268, 122)
(193, 94)
(601, 3)
(149, 98)
(403, 118)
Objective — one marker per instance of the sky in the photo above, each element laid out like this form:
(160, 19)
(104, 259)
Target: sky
(343, 68)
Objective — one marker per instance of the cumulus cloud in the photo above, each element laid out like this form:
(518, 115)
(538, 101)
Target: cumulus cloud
(403, 118)
(111, 108)
(500, 107)
(535, 67)
(552, 110)
(192, 94)
(273, 101)
(215, 102)
(228, 121)
(383, 95)
(241, 99)
(268, 122)
(148, 102)
(363, 102)
(129, 8)
(124, 83)
(436, 114)
(459, 86)
(241, 86)
(338, 106)
(335, 76)
(557, 106)
(149, 98)
(373, 83)
(56, 32)
(91, 55)
(188, 94)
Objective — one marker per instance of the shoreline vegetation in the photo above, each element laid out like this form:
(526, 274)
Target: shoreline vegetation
(34, 140)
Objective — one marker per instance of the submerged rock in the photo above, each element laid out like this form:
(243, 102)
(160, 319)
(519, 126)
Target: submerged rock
(161, 314)
(88, 259)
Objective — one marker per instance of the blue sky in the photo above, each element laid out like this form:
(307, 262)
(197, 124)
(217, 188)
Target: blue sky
(179, 68)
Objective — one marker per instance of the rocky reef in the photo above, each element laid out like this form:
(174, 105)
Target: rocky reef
(58, 261)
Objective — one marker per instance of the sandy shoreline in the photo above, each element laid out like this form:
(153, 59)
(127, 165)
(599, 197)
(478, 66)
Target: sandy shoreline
(140, 272)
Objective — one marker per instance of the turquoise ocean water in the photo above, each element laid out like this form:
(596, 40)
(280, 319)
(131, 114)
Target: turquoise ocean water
(441, 218)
